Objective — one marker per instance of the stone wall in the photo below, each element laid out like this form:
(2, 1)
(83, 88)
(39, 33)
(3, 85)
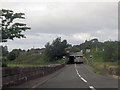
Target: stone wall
(16, 75)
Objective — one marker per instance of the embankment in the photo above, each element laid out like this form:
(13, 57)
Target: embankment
(105, 71)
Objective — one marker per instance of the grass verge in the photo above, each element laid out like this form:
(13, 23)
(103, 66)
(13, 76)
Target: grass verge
(98, 63)
(96, 69)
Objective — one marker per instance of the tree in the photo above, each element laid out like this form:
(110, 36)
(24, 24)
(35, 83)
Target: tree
(4, 50)
(75, 49)
(14, 54)
(11, 29)
(56, 50)
(3, 53)
(111, 52)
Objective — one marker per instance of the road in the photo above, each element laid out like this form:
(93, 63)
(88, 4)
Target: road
(79, 76)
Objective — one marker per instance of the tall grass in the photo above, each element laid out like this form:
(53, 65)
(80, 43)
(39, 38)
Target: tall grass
(98, 62)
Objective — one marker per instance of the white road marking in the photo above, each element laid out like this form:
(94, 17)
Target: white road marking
(83, 79)
(75, 66)
(79, 74)
(91, 87)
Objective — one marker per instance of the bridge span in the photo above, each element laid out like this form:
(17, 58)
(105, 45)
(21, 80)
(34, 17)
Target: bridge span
(76, 57)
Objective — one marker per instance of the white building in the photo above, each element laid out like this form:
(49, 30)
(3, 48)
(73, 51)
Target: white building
(87, 50)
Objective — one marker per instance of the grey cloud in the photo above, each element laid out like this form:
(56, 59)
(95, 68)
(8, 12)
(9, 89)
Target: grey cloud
(59, 17)
(74, 21)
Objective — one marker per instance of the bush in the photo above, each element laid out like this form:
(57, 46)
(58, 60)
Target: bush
(14, 54)
(110, 53)
(11, 56)
(4, 65)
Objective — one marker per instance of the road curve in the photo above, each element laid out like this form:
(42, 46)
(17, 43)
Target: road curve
(79, 76)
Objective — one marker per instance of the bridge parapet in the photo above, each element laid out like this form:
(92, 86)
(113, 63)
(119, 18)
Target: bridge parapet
(12, 76)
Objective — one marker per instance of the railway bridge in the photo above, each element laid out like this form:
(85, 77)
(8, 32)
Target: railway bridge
(76, 57)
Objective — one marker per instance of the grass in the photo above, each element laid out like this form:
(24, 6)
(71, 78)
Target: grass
(28, 65)
(96, 69)
(21, 65)
(98, 62)
(32, 59)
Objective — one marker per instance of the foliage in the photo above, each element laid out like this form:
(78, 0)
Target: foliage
(3, 53)
(14, 54)
(36, 50)
(89, 44)
(4, 65)
(98, 63)
(26, 59)
(75, 49)
(92, 44)
(4, 50)
(56, 50)
(97, 56)
(111, 52)
(96, 69)
(10, 28)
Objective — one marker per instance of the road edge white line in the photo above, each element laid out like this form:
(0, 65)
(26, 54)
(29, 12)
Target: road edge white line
(83, 79)
(91, 87)
(79, 74)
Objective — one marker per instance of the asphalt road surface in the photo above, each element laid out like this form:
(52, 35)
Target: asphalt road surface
(79, 76)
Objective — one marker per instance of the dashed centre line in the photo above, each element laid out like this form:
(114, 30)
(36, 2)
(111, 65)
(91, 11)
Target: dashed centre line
(83, 79)
(91, 87)
(79, 74)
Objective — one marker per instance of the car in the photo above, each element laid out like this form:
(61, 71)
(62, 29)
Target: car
(78, 60)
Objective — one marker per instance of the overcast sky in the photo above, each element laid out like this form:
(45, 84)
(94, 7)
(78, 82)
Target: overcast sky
(73, 20)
